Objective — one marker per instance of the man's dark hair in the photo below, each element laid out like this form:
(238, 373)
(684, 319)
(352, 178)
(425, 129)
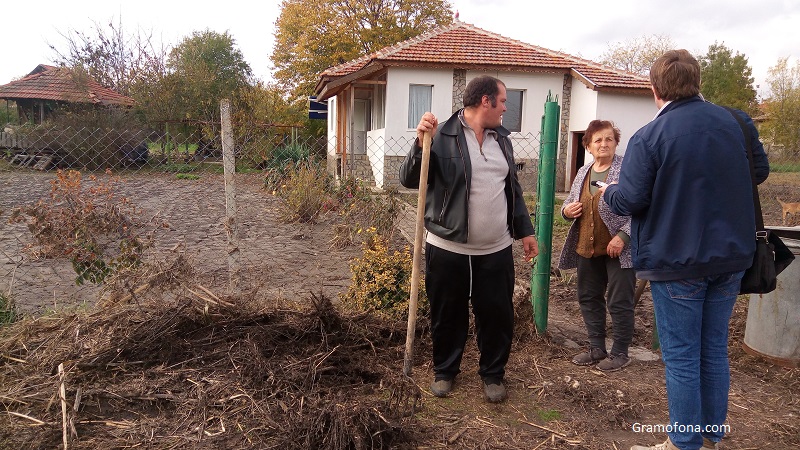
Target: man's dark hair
(599, 125)
(480, 86)
(675, 75)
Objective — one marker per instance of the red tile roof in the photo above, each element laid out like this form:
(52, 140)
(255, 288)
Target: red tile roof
(59, 84)
(466, 46)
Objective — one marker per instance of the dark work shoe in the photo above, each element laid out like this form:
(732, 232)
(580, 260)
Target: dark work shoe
(494, 391)
(441, 388)
(614, 362)
(589, 357)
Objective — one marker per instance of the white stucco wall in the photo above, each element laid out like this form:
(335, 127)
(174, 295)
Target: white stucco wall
(376, 146)
(536, 87)
(583, 108)
(629, 112)
(398, 135)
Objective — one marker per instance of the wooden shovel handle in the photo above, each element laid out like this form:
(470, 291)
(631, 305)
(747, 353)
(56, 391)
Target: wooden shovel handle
(418, 238)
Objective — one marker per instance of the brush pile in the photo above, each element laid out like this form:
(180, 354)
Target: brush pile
(190, 369)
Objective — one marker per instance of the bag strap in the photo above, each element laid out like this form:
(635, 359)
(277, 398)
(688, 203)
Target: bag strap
(748, 141)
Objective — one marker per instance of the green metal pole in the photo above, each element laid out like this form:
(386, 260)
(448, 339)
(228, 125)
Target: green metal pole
(540, 276)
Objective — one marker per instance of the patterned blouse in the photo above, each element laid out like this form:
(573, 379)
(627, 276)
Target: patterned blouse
(615, 223)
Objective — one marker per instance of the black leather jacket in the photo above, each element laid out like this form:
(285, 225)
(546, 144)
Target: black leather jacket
(449, 180)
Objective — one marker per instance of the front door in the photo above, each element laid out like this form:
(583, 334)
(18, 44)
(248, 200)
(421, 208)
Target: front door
(360, 125)
(578, 157)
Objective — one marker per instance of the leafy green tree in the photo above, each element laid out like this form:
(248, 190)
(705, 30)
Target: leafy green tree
(154, 95)
(638, 54)
(727, 79)
(782, 126)
(203, 69)
(311, 36)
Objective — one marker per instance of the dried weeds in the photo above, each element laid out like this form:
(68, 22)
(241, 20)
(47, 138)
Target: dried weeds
(206, 371)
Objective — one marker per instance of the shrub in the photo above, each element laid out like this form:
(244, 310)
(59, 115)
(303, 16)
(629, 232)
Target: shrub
(304, 193)
(92, 226)
(291, 153)
(360, 209)
(283, 162)
(351, 190)
(381, 281)
(177, 167)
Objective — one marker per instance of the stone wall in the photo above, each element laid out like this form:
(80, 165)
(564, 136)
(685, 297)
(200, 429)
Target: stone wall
(562, 159)
(356, 166)
(391, 165)
(459, 86)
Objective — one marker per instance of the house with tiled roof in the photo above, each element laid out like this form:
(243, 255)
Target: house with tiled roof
(46, 87)
(375, 101)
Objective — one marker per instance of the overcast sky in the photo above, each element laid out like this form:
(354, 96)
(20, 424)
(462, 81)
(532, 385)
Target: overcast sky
(763, 30)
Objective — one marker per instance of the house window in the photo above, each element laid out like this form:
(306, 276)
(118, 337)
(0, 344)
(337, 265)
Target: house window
(419, 102)
(379, 117)
(512, 118)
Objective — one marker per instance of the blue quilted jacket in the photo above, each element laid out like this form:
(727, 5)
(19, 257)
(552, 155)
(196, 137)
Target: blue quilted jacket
(686, 183)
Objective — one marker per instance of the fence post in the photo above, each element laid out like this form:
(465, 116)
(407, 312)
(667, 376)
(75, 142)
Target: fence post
(229, 167)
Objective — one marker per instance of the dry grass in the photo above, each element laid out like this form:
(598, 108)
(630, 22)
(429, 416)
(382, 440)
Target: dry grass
(191, 369)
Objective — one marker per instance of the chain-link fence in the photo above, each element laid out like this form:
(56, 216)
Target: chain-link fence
(780, 194)
(155, 194)
(77, 204)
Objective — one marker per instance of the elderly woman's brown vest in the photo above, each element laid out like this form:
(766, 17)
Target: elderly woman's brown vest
(593, 235)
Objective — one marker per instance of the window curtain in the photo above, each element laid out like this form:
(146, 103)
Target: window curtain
(419, 102)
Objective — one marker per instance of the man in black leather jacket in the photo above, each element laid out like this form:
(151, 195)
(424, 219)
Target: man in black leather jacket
(473, 212)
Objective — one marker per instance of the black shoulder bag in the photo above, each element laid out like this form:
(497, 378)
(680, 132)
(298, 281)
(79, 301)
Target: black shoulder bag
(772, 255)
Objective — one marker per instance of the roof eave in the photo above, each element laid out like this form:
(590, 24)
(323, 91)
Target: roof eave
(338, 84)
(583, 79)
(475, 66)
(624, 90)
(600, 87)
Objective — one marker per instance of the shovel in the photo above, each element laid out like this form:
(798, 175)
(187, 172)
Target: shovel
(418, 237)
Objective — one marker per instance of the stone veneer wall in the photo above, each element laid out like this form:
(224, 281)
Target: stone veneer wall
(391, 165)
(459, 86)
(562, 160)
(361, 168)
(527, 172)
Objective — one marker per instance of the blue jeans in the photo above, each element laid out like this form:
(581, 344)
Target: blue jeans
(692, 317)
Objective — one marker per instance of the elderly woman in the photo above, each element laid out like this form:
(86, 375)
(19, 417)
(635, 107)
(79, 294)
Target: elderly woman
(598, 245)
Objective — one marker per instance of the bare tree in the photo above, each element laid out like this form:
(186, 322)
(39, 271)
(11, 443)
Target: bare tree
(114, 58)
(636, 55)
